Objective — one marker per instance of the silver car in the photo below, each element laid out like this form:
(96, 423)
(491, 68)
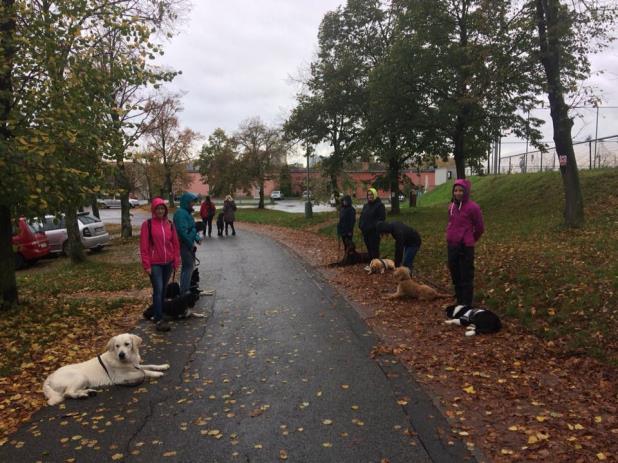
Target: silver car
(108, 203)
(91, 232)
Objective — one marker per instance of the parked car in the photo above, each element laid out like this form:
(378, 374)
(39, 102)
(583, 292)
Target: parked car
(276, 194)
(107, 203)
(29, 243)
(91, 232)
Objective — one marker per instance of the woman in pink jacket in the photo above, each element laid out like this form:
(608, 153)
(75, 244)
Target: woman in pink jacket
(160, 253)
(464, 229)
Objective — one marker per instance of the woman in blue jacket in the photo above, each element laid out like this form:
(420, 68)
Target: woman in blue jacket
(188, 236)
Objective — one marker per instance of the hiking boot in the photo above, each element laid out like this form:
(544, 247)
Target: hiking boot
(162, 325)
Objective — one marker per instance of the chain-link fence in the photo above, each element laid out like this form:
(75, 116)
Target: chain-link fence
(590, 154)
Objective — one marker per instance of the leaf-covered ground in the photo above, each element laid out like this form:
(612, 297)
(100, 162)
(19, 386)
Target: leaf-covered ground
(66, 313)
(514, 395)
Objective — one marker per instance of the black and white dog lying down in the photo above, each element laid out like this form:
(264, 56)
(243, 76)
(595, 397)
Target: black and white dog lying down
(476, 320)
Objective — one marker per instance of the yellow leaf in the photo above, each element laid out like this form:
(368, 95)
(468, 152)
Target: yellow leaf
(327, 422)
(598, 419)
(345, 386)
(257, 446)
(578, 426)
(506, 452)
(469, 390)
(601, 456)
(283, 455)
(327, 445)
(532, 439)
(541, 418)
(171, 453)
(402, 402)
(513, 428)
(117, 456)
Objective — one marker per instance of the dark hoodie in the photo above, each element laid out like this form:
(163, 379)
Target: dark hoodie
(347, 217)
(404, 236)
(372, 213)
(465, 219)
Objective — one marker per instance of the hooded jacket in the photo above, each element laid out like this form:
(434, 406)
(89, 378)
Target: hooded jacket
(184, 222)
(347, 217)
(372, 213)
(159, 245)
(207, 209)
(229, 211)
(465, 219)
(404, 235)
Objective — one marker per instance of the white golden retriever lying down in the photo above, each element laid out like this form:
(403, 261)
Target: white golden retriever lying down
(119, 365)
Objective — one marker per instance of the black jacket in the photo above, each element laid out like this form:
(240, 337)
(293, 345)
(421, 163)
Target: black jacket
(347, 217)
(404, 236)
(372, 213)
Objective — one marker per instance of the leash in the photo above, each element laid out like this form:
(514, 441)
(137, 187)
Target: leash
(127, 384)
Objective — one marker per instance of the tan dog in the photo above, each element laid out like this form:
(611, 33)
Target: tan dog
(406, 287)
(120, 364)
(380, 265)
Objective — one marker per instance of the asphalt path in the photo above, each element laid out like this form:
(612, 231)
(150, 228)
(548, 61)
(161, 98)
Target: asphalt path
(280, 370)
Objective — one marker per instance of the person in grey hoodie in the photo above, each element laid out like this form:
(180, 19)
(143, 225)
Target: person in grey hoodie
(465, 227)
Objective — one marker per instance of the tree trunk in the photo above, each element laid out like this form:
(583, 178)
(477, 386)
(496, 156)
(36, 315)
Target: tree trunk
(75, 247)
(458, 151)
(126, 230)
(168, 186)
(548, 24)
(95, 207)
(8, 283)
(261, 203)
(393, 182)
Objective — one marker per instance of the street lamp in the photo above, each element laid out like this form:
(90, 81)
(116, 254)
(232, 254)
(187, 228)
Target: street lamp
(308, 206)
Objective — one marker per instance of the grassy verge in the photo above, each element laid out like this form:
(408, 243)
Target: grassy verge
(282, 219)
(561, 284)
(58, 299)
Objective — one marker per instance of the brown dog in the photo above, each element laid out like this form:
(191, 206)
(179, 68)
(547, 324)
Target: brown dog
(406, 287)
(381, 265)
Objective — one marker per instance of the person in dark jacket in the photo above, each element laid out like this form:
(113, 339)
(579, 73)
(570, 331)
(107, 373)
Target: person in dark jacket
(207, 212)
(372, 213)
(465, 227)
(407, 242)
(347, 220)
(229, 213)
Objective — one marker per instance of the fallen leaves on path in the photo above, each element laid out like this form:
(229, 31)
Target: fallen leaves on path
(513, 395)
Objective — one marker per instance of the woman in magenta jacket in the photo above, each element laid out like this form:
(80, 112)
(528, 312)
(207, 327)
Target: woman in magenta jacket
(160, 253)
(464, 229)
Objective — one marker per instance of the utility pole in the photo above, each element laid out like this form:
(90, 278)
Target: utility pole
(308, 205)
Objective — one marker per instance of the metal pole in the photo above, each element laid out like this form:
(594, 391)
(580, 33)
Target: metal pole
(596, 136)
(308, 206)
(590, 155)
(527, 139)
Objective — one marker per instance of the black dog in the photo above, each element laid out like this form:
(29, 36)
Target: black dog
(476, 320)
(177, 305)
(220, 224)
(352, 257)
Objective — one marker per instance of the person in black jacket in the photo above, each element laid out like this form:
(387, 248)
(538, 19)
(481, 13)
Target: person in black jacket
(372, 213)
(347, 220)
(407, 242)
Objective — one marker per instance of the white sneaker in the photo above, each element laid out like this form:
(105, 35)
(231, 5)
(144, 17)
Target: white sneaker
(367, 268)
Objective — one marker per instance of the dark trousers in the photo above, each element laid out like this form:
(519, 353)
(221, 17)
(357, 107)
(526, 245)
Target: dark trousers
(348, 240)
(207, 226)
(231, 224)
(372, 242)
(159, 276)
(461, 266)
(409, 253)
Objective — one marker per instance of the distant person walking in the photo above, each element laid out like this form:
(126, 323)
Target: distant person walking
(372, 213)
(207, 212)
(188, 236)
(347, 220)
(160, 254)
(229, 214)
(465, 227)
(407, 242)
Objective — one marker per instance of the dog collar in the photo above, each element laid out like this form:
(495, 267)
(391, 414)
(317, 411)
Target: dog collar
(383, 264)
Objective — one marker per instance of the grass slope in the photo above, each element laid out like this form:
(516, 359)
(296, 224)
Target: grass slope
(560, 284)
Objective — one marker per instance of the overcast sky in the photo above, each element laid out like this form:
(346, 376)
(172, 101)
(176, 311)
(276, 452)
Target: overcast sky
(237, 58)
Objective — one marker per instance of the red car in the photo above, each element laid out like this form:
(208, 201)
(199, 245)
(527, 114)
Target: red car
(29, 243)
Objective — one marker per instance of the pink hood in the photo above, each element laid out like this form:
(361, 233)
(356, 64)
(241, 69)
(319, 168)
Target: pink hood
(158, 240)
(465, 219)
